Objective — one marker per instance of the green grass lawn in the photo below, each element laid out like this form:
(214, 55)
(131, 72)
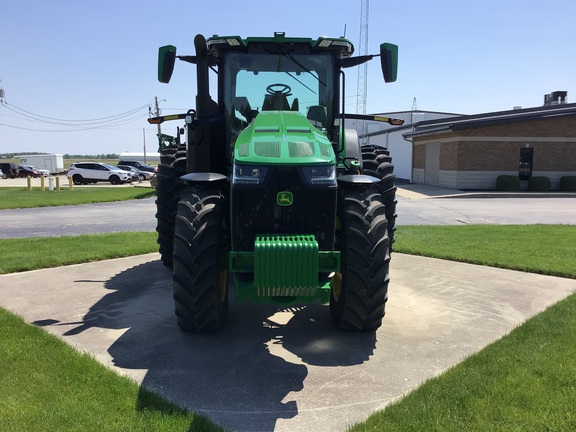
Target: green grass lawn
(13, 198)
(525, 381)
(545, 249)
(46, 385)
(18, 255)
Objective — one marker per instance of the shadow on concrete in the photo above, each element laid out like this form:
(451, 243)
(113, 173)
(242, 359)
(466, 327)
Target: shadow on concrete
(243, 377)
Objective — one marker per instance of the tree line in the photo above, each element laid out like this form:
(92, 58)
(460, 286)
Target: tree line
(66, 155)
(94, 156)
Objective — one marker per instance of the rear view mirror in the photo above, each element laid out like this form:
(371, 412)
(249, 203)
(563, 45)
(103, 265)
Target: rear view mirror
(389, 59)
(166, 59)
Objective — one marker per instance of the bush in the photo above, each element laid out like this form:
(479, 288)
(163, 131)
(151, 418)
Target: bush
(568, 183)
(508, 183)
(539, 184)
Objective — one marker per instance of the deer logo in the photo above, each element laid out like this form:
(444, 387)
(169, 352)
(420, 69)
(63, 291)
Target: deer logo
(284, 199)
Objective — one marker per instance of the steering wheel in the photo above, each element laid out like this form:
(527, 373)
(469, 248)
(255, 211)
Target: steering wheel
(278, 88)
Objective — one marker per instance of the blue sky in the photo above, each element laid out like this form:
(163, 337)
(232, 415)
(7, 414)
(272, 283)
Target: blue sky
(82, 64)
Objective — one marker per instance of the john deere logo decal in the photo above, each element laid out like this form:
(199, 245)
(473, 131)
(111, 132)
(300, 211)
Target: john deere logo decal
(285, 198)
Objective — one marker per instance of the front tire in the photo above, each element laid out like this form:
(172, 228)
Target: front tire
(200, 270)
(77, 179)
(360, 291)
(115, 180)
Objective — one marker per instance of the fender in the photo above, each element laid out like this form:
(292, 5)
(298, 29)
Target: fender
(352, 145)
(203, 177)
(357, 181)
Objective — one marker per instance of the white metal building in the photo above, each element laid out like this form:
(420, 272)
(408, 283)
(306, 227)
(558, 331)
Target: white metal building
(385, 135)
(148, 157)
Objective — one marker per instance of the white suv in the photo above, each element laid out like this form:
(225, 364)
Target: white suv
(92, 172)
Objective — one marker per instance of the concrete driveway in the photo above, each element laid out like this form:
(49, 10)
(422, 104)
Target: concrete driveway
(280, 369)
(417, 205)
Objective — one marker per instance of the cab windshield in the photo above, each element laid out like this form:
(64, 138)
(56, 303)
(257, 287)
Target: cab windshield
(290, 82)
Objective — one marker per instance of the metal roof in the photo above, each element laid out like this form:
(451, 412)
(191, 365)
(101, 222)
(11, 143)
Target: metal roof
(407, 124)
(490, 119)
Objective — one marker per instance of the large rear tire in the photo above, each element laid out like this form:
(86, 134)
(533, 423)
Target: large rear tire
(360, 291)
(172, 166)
(376, 161)
(200, 268)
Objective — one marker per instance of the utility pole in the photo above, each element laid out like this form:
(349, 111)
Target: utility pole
(157, 115)
(2, 95)
(144, 136)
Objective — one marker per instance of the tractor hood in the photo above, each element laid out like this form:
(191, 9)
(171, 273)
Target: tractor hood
(283, 138)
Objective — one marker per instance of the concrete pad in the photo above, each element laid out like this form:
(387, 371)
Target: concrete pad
(280, 369)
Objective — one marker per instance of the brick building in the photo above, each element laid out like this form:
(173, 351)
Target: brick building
(470, 152)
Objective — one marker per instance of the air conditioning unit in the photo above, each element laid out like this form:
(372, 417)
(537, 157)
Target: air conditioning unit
(556, 98)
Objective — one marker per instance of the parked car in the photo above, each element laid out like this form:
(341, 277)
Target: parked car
(135, 176)
(140, 175)
(27, 170)
(92, 172)
(44, 172)
(9, 170)
(140, 165)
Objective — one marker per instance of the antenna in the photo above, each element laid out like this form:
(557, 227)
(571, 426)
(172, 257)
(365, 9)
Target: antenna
(362, 89)
(414, 105)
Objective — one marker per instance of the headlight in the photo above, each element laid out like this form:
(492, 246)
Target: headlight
(249, 174)
(319, 175)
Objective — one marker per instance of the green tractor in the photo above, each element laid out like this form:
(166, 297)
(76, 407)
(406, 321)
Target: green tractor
(270, 188)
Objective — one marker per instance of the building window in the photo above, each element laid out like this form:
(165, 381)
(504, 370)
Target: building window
(525, 166)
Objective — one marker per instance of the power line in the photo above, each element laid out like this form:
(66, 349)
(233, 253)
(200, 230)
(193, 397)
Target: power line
(108, 122)
(112, 120)
(110, 127)
(71, 122)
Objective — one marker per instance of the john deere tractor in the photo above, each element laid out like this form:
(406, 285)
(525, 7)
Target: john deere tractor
(270, 188)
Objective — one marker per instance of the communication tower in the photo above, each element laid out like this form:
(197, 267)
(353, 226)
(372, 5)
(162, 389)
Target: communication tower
(362, 89)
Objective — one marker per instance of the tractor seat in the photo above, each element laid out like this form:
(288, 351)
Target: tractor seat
(317, 116)
(275, 102)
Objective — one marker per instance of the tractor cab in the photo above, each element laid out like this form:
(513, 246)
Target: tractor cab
(279, 74)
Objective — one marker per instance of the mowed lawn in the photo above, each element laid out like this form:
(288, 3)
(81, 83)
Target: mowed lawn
(544, 249)
(525, 381)
(15, 198)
